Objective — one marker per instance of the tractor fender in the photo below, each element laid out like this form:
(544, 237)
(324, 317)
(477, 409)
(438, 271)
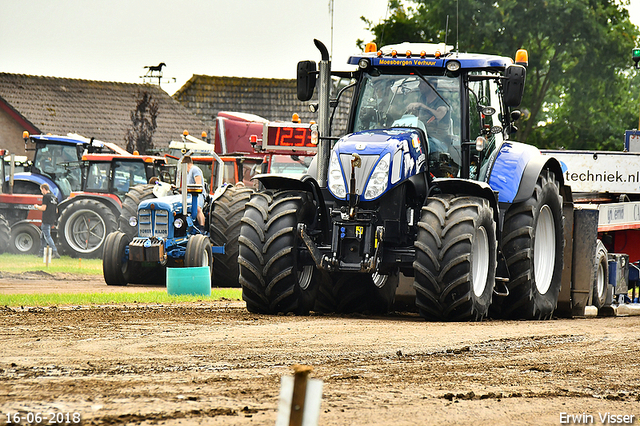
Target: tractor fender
(467, 187)
(37, 180)
(531, 173)
(110, 200)
(295, 182)
(35, 224)
(516, 170)
(219, 192)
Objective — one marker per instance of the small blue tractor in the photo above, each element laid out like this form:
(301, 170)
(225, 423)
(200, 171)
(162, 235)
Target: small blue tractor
(425, 183)
(167, 237)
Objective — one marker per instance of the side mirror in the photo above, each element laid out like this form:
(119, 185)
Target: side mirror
(306, 82)
(514, 76)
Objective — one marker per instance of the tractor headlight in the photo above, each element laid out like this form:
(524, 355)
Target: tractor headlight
(133, 221)
(379, 179)
(336, 179)
(178, 223)
(453, 66)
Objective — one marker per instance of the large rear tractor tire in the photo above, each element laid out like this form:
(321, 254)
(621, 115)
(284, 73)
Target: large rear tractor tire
(198, 253)
(130, 203)
(533, 245)
(116, 267)
(272, 277)
(25, 239)
(83, 227)
(601, 281)
(224, 229)
(455, 261)
(357, 292)
(5, 234)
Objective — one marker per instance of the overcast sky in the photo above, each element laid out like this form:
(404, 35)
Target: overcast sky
(113, 40)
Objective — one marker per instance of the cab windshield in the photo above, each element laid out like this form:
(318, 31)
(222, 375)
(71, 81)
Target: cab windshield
(59, 162)
(430, 103)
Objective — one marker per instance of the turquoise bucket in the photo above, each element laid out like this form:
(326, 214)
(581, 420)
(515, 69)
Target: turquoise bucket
(195, 281)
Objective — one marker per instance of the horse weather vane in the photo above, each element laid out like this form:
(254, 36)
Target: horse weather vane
(154, 71)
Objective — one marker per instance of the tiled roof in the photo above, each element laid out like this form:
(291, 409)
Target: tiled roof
(97, 109)
(271, 98)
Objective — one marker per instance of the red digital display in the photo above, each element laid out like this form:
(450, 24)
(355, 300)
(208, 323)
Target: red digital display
(290, 137)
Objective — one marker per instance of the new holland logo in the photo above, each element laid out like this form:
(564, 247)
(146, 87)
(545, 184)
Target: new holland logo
(416, 141)
(360, 146)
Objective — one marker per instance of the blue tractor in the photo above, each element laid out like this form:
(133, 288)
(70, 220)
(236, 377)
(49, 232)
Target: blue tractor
(167, 236)
(55, 162)
(425, 183)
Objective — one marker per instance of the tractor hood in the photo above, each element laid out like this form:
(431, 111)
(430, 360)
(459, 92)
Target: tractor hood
(387, 157)
(171, 203)
(36, 180)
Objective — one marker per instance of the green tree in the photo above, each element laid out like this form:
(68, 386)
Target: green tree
(144, 123)
(579, 75)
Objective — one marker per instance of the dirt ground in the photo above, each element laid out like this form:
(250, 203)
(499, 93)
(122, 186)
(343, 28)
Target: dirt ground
(217, 364)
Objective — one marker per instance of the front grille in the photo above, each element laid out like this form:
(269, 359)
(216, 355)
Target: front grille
(153, 223)
(161, 227)
(144, 223)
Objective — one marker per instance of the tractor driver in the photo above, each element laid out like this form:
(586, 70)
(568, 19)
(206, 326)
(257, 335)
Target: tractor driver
(433, 111)
(194, 176)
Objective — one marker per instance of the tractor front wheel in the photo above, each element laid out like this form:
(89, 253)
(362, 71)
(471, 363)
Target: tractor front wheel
(198, 253)
(272, 276)
(115, 263)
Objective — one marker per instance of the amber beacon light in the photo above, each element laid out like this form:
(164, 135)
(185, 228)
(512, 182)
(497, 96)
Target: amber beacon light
(522, 57)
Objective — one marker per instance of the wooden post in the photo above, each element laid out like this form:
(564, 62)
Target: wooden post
(47, 256)
(301, 375)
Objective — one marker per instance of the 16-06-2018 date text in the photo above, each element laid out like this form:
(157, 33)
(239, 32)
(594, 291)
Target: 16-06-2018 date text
(50, 418)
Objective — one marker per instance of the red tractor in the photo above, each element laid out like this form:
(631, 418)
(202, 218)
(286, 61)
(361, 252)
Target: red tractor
(87, 216)
(5, 229)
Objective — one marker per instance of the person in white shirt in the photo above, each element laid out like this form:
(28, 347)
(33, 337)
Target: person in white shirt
(194, 176)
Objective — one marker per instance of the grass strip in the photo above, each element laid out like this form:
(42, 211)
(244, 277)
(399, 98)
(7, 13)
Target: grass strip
(148, 297)
(18, 263)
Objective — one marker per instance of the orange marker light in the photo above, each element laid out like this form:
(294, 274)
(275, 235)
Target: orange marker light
(185, 133)
(423, 54)
(394, 53)
(438, 54)
(370, 48)
(136, 153)
(379, 53)
(522, 57)
(25, 135)
(204, 135)
(295, 117)
(408, 53)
